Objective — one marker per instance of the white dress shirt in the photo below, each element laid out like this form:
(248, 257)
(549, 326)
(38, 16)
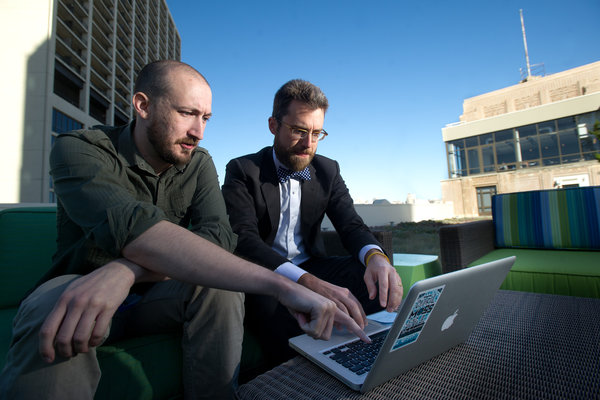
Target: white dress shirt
(288, 240)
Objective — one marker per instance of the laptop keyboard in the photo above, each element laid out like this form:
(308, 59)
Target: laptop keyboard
(358, 356)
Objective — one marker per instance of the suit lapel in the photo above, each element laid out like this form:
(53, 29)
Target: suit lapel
(270, 190)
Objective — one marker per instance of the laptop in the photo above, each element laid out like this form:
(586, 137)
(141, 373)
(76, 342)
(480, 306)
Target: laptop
(437, 314)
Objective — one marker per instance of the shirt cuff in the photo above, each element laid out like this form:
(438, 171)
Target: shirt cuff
(290, 271)
(363, 252)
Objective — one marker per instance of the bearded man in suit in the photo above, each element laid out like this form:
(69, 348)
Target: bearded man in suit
(276, 200)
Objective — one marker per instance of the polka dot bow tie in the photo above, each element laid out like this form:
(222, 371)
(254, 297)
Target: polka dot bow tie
(285, 174)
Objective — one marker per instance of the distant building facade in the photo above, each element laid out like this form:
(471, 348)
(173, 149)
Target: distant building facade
(530, 136)
(384, 213)
(70, 64)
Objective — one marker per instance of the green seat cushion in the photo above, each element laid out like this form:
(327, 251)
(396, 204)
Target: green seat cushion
(565, 272)
(28, 241)
(6, 318)
(148, 367)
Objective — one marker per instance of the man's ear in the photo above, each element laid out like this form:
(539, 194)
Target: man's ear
(141, 104)
(273, 125)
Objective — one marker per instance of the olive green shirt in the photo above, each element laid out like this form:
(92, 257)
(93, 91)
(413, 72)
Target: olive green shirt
(108, 195)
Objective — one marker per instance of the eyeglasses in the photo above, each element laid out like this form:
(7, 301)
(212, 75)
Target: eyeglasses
(300, 133)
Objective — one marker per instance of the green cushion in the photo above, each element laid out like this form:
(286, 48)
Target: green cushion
(6, 318)
(415, 267)
(565, 272)
(26, 249)
(148, 367)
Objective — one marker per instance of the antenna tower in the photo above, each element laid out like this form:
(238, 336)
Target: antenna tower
(525, 44)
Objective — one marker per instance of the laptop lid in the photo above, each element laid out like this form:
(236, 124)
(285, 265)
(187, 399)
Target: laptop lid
(437, 314)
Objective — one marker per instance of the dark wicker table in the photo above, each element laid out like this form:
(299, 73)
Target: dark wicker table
(526, 346)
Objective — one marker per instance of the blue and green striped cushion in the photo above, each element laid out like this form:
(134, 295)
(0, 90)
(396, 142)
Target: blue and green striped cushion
(548, 219)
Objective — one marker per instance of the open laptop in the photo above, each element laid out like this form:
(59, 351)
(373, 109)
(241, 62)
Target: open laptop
(437, 314)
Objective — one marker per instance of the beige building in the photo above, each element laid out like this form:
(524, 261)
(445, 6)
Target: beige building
(69, 64)
(530, 136)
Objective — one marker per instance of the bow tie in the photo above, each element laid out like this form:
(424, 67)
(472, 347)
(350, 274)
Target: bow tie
(285, 174)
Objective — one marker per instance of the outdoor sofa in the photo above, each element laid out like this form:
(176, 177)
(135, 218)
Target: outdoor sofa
(555, 235)
(147, 367)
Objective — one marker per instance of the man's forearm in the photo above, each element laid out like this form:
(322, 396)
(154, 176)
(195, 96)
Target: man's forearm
(170, 250)
(141, 274)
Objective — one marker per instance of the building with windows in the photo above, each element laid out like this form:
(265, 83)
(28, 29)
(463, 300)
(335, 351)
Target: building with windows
(70, 64)
(530, 136)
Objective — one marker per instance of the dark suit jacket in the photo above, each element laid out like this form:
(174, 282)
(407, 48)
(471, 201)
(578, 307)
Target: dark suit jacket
(251, 192)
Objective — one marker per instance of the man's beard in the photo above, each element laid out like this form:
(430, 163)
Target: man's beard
(289, 157)
(157, 136)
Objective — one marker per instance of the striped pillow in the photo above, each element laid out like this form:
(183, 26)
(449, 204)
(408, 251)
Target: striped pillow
(548, 219)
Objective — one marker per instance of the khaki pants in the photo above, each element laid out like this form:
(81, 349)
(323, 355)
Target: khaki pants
(210, 320)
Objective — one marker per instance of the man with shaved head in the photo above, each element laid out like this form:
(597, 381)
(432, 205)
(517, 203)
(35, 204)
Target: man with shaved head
(144, 247)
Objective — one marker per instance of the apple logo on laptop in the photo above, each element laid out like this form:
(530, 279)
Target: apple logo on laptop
(449, 321)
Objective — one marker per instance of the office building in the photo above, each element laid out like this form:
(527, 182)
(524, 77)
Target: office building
(70, 64)
(530, 136)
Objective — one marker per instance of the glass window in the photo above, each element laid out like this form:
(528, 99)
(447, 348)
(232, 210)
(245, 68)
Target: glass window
(501, 136)
(549, 146)
(505, 155)
(571, 158)
(551, 161)
(530, 149)
(589, 119)
(487, 155)
(566, 123)
(590, 143)
(98, 106)
(547, 127)
(484, 199)
(63, 123)
(527, 130)
(458, 144)
(457, 158)
(473, 157)
(67, 85)
(472, 141)
(569, 142)
(488, 138)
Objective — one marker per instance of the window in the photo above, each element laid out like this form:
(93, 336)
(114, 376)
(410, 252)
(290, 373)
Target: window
(547, 127)
(501, 136)
(63, 123)
(98, 106)
(67, 85)
(566, 123)
(528, 130)
(560, 141)
(120, 118)
(549, 146)
(457, 158)
(487, 155)
(472, 141)
(530, 149)
(473, 157)
(505, 155)
(487, 138)
(484, 199)
(569, 142)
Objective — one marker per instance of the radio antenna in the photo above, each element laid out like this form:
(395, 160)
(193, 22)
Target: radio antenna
(525, 44)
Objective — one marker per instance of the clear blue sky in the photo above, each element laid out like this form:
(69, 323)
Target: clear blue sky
(395, 73)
